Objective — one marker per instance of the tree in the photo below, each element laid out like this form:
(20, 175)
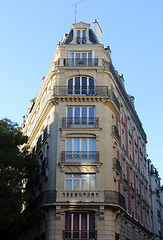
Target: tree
(17, 165)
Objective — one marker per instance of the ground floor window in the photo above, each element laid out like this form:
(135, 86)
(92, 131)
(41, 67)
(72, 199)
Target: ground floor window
(80, 226)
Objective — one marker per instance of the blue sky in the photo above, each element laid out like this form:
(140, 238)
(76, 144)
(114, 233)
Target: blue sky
(30, 31)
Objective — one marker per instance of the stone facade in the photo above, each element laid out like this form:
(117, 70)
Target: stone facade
(94, 181)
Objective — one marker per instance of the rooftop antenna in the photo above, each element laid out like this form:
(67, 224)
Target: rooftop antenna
(75, 8)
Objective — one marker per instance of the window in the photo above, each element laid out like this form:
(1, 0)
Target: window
(82, 59)
(81, 116)
(81, 36)
(81, 85)
(81, 150)
(80, 182)
(80, 226)
(81, 55)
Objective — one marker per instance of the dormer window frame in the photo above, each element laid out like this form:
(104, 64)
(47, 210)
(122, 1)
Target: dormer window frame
(81, 36)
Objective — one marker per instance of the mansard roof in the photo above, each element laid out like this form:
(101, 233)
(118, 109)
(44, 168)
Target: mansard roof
(92, 37)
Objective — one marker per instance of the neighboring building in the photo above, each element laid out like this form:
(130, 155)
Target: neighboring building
(95, 180)
(156, 196)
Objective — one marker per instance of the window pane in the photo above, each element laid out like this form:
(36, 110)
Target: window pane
(70, 86)
(68, 175)
(76, 144)
(68, 144)
(91, 86)
(70, 112)
(90, 55)
(84, 55)
(76, 185)
(84, 85)
(92, 116)
(90, 59)
(84, 112)
(84, 145)
(92, 144)
(91, 112)
(84, 184)
(77, 112)
(72, 55)
(92, 182)
(77, 85)
(77, 116)
(68, 184)
(78, 33)
(84, 116)
(84, 34)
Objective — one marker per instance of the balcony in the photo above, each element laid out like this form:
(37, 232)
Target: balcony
(80, 157)
(80, 122)
(80, 62)
(80, 196)
(115, 132)
(115, 198)
(85, 234)
(116, 165)
(98, 91)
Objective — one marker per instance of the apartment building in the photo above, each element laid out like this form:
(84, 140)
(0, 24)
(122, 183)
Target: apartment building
(94, 181)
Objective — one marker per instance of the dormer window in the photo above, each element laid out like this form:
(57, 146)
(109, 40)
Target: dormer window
(81, 37)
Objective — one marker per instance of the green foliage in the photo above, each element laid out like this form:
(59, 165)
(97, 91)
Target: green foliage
(17, 165)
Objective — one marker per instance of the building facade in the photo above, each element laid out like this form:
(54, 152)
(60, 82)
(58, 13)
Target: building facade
(95, 180)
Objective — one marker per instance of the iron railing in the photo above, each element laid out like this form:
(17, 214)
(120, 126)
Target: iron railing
(81, 40)
(80, 156)
(80, 62)
(115, 132)
(116, 165)
(86, 91)
(80, 122)
(114, 197)
(82, 234)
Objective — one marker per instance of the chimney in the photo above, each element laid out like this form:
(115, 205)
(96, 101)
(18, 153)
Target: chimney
(97, 31)
(108, 52)
(132, 100)
(121, 78)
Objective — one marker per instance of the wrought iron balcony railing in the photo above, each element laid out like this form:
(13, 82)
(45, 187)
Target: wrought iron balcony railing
(80, 122)
(116, 165)
(80, 156)
(115, 132)
(86, 91)
(82, 234)
(81, 40)
(80, 62)
(114, 197)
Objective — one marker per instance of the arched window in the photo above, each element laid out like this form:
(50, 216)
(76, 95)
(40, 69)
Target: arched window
(81, 85)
